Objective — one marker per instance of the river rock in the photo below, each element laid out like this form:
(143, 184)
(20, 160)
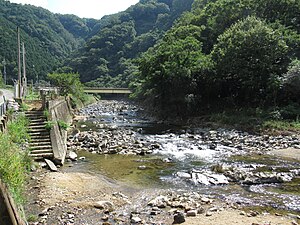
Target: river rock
(143, 167)
(191, 213)
(136, 219)
(160, 202)
(179, 218)
(183, 175)
(72, 155)
(105, 205)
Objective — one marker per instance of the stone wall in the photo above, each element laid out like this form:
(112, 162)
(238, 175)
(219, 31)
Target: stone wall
(59, 110)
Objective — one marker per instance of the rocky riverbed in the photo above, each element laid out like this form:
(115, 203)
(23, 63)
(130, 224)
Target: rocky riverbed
(203, 173)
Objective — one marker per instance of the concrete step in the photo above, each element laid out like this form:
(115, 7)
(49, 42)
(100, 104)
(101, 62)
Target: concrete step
(40, 147)
(34, 112)
(40, 143)
(41, 155)
(37, 120)
(42, 151)
(42, 129)
(37, 126)
(39, 133)
(39, 137)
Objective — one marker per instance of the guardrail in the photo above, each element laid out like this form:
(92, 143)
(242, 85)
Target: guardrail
(12, 210)
(3, 107)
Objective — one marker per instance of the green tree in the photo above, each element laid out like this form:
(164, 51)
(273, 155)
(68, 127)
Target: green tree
(291, 82)
(167, 76)
(249, 57)
(68, 84)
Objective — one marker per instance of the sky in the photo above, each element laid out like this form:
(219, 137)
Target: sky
(83, 8)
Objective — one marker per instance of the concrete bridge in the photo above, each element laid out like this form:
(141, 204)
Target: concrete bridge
(100, 90)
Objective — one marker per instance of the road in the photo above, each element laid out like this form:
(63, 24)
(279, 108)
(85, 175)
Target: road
(7, 93)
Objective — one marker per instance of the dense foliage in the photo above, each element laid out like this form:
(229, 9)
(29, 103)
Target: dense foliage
(49, 38)
(68, 83)
(224, 53)
(106, 58)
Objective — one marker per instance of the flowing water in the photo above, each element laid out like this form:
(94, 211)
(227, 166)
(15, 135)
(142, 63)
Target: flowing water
(183, 150)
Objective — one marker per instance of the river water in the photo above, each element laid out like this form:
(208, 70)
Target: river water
(178, 153)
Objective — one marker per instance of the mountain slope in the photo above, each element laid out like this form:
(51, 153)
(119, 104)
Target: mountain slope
(49, 38)
(106, 57)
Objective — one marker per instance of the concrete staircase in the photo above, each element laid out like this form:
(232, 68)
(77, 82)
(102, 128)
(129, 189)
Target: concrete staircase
(40, 143)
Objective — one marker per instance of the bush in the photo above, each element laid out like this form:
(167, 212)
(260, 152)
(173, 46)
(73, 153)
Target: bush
(290, 112)
(249, 57)
(68, 83)
(291, 82)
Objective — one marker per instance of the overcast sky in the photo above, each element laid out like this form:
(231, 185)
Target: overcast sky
(82, 8)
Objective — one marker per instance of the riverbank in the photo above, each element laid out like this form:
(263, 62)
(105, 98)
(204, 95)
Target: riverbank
(82, 198)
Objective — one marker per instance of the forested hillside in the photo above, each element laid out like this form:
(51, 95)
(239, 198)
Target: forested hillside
(49, 38)
(225, 53)
(99, 50)
(107, 57)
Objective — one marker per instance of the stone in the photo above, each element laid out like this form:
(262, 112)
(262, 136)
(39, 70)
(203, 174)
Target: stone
(71, 216)
(105, 218)
(106, 223)
(206, 200)
(72, 155)
(213, 209)
(51, 165)
(136, 219)
(208, 213)
(105, 205)
(179, 218)
(183, 175)
(143, 167)
(243, 213)
(44, 212)
(191, 213)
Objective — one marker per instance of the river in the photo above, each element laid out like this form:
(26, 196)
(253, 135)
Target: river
(120, 142)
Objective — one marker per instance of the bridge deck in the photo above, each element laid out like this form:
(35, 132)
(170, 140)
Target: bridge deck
(107, 90)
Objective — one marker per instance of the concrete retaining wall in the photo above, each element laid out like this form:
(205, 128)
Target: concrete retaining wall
(59, 110)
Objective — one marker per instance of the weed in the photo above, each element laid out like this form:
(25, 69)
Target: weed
(63, 125)
(14, 162)
(18, 130)
(49, 125)
(32, 218)
(46, 114)
(23, 107)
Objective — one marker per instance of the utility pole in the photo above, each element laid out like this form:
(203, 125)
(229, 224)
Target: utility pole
(19, 66)
(4, 71)
(24, 79)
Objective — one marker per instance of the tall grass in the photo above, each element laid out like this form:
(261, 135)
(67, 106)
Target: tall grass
(14, 161)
